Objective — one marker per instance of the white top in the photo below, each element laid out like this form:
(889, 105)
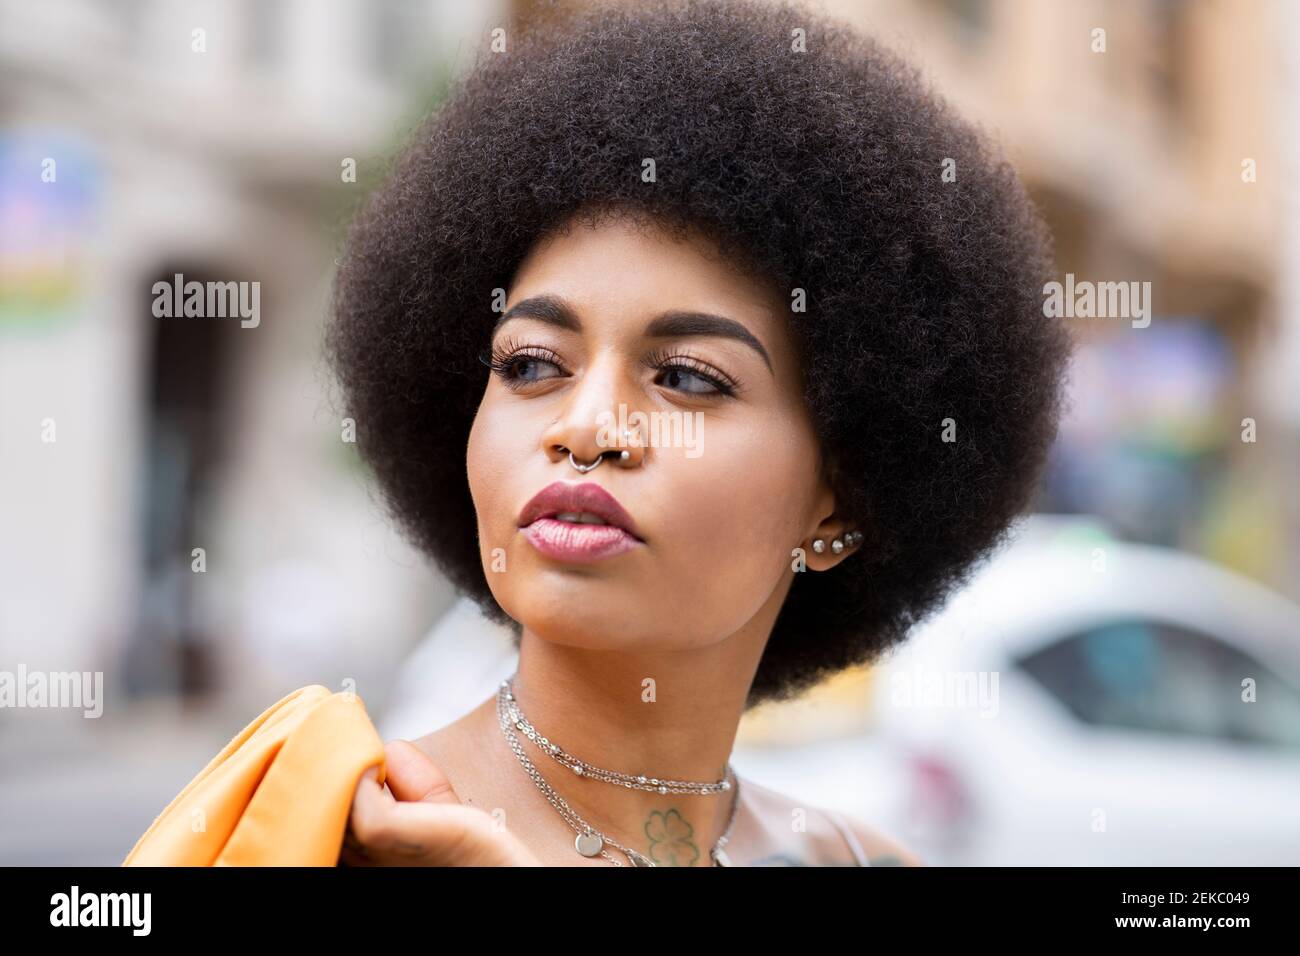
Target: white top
(851, 838)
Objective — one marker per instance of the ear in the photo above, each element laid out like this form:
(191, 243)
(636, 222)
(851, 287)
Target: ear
(835, 538)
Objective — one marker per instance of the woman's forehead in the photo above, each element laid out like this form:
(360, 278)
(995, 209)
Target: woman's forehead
(623, 271)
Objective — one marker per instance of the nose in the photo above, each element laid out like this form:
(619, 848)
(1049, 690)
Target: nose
(596, 419)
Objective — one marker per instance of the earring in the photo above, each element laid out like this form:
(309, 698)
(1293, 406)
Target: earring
(850, 540)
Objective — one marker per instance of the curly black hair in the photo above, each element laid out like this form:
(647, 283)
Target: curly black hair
(815, 157)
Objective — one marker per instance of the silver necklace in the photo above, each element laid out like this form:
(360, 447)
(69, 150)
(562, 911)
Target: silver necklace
(589, 841)
(583, 769)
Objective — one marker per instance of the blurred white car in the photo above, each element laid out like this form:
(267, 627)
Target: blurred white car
(1088, 702)
(1083, 701)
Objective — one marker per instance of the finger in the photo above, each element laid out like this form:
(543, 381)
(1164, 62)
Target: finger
(370, 805)
(439, 834)
(413, 777)
(369, 788)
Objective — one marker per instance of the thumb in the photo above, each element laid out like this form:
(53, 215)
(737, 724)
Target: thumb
(413, 777)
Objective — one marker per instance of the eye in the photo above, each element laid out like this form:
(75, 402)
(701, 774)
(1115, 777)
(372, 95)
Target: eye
(676, 374)
(685, 373)
(518, 367)
(522, 367)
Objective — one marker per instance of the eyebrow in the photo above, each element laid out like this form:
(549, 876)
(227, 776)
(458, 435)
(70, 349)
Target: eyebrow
(675, 323)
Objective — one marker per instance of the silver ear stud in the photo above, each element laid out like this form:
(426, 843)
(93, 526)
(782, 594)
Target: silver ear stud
(850, 539)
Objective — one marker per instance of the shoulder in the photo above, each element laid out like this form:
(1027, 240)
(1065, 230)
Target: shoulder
(828, 832)
(881, 850)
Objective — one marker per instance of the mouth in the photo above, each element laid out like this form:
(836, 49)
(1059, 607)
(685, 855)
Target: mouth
(578, 522)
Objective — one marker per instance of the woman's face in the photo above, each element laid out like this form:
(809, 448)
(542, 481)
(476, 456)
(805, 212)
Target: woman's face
(726, 482)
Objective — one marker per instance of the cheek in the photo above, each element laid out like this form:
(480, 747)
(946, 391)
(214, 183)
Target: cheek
(488, 457)
(739, 509)
(747, 491)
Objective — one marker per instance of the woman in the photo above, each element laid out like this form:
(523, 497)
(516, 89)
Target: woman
(767, 374)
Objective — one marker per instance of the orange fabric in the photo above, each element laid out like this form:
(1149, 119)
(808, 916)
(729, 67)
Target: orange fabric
(278, 794)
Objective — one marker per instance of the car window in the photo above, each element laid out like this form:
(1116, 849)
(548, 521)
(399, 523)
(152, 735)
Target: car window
(1159, 677)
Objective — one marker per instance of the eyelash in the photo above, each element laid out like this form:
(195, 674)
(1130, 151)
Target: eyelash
(503, 360)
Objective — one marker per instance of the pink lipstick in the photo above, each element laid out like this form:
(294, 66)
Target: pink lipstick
(579, 522)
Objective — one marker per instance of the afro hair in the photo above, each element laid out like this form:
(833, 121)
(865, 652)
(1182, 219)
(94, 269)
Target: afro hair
(816, 158)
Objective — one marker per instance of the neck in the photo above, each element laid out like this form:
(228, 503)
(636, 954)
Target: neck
(671, 715)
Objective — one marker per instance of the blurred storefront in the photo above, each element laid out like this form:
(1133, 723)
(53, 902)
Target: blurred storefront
(144, 139)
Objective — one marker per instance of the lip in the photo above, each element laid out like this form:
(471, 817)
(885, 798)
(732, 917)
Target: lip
(567, 541)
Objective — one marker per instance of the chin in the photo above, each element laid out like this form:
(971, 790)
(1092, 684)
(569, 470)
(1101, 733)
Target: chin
(592, 614)
(591, 629)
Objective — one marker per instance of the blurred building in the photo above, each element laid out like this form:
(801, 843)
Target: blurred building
(209, 139)
(1151, 134)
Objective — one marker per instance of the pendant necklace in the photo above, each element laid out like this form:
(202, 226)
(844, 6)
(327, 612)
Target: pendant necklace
(589, 841)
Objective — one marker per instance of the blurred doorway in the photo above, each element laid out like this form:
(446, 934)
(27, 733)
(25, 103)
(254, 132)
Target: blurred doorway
(186, 403)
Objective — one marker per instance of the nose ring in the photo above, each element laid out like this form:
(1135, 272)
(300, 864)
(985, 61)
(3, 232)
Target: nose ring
(586, 468)
(623, 456)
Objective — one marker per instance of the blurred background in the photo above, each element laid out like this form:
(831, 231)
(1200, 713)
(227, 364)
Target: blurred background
(1121, 684)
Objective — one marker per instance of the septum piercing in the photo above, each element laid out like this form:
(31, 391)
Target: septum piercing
(624, 455)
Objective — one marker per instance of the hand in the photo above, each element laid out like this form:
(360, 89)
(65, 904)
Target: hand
(417, 820)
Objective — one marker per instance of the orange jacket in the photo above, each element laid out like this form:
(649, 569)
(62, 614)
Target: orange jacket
(279, 794)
